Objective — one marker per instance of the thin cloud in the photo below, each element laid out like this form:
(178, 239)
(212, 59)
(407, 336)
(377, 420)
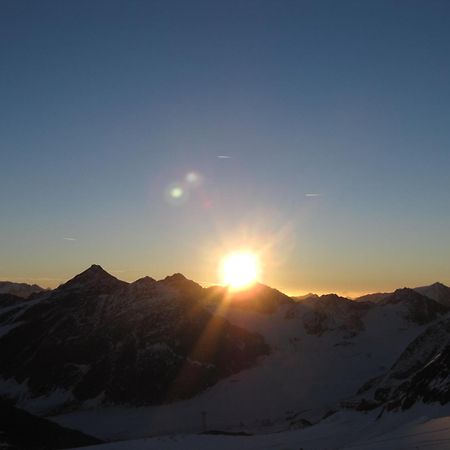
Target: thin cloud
(313, 194)
(223, 156)
(69, 238)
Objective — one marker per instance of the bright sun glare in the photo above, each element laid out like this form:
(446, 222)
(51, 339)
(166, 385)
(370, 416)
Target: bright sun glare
(240, 269)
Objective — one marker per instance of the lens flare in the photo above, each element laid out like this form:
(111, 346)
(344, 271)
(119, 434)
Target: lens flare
(240, 270)
(176, 192)
(192, 177)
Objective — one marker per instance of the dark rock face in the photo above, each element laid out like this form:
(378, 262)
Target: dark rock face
(23, 431)
(7, 300)
(146, 342)
(331, 312)
(421, 373)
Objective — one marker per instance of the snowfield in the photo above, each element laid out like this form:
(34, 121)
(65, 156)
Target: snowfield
(419, 428)
(170, 365)
(303, 378)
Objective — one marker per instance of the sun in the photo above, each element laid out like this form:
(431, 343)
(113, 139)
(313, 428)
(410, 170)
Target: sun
(240, 269)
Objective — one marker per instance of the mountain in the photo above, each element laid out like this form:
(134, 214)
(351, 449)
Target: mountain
(99, 340)
(375, 297)
(437, 291)
(321, 351)
(7, 300)
(420, 374)
(304, 297)
(421, 309)
(93, 281)
(331, 312)
(96, 347)
(23, 290)
(258, 298)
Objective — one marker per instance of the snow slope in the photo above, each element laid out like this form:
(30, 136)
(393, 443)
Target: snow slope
(423, 427)
(305, 375)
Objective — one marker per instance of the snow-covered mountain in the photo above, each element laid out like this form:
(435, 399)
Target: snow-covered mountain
(436, 291)
(98, 340)
(23, 290)
(420, 374)
(126, 360)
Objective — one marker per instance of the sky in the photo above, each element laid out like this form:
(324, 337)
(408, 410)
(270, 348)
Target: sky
(153, 137)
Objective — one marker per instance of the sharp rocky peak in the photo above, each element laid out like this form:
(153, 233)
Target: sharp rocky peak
(142, 284)
(178, 280)
(95, 278)
(144, 281)
(175, 278)
(438, 285)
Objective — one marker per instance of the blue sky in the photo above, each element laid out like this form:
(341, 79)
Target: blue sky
(106, 105)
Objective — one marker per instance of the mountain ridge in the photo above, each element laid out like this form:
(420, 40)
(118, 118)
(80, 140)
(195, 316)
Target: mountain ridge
(97, 342)
(23, 290)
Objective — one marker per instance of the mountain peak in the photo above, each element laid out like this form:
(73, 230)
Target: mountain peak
(94, 271)
(143, 283)
(436, 291)
(402, 294)
(96, 268)
(185, 286)
(176, 277)
(438, 285)
(422, 309)
(145, 279)
(95, 278)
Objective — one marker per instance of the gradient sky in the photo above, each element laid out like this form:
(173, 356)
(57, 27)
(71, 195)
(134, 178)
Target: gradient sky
(107, 105)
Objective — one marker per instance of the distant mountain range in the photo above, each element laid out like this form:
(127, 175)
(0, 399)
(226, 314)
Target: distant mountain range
(22, 290)
(437, 291)
(255, 357)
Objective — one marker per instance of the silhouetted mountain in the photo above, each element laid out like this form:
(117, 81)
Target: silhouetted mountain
(94, 280)
(7, 300)
(437, 291)
(257, 297)
(304, 297)
(98, 340)
(375, 297)
(421, 309)
(23, 290)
